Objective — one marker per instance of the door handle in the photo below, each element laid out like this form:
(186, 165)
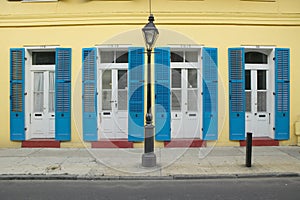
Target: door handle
(30, 118)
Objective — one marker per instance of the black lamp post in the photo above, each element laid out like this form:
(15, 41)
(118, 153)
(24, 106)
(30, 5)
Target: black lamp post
(150, 33)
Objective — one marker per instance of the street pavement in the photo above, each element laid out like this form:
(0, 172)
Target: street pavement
(212, 189)
(172, 163)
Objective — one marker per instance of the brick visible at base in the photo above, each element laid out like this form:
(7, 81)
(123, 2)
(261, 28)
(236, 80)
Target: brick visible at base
(41, 143)
(261, 141)
(112, 144)
(176, 143)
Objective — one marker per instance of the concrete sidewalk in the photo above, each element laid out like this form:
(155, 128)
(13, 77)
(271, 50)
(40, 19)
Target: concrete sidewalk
(173, 163)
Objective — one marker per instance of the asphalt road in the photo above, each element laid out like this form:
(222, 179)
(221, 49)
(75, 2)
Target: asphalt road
(233, 189)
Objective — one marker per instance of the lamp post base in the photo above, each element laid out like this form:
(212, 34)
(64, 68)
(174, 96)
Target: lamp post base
(149, 159)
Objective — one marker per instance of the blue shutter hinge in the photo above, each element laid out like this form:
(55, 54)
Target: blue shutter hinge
(25, 129)
(274, 58)
(25, 93)
(273, 128)
(201, 93)
(25, 58)
(96, 93)
(274, 93)
(202, 129)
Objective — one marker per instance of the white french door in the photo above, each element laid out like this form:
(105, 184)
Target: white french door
(185, 103)
(113, 103)
(257, 113)
(42, 115)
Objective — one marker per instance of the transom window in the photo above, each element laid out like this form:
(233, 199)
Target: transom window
(43, 58)
(256, 58)
(113, 56)
(184, 56)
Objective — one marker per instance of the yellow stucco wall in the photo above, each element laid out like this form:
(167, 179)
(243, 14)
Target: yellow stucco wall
(214, 23)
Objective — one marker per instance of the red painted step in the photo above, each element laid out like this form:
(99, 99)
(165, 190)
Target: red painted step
(112, 144)
(177, 143)
(261, 141)
(41, 143)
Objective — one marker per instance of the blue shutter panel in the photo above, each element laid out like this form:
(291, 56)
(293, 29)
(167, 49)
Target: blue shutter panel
(236, 93)
(282, 94)
(210, 93)
(162, 94)
(63, 94)
(136, 94)
(17, 100)
(89, 94)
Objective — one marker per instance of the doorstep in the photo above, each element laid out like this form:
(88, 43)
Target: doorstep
(41, 143)
(261, 141)
(185, 143)
(113, 143)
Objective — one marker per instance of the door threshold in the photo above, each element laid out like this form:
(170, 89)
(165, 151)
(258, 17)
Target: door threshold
(261, 141)
(185, 143)
(41, 143)
(112, 143)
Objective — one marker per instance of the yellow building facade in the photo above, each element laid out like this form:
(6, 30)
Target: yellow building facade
(261, 25)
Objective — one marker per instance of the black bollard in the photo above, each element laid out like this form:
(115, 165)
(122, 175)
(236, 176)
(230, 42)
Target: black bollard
(249, 150)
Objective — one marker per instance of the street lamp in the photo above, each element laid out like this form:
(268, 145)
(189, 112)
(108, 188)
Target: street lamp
(150, 33)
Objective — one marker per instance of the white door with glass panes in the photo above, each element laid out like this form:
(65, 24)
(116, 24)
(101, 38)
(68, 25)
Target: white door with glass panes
(113, 103)
(185, 114)
(42, 103)
(256, 89)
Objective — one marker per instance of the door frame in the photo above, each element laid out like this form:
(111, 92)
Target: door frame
(29, 68)
(114, 67)
(270, 67)
(188, 65)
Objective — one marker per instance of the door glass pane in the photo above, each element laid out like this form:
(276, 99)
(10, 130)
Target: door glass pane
(191, 56)
(192, 78)
(122, 89)
(176, 89)
(261, 79)
(51, 91)
(38, 92)
(192, 99)
(106, 90)
(176, 78)
(247, 79)
(248, 101)
(262, 101)
(106, 79)
(107, 56)
(177, 56)
(176, 99)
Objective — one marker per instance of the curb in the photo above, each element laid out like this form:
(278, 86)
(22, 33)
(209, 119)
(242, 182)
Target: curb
(138, 178)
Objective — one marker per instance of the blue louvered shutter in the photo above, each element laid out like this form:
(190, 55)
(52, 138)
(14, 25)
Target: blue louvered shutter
(63, 94)
(210, 93)
(89, 94)
(17, 100)
(236, 93)
(282, 94)
(136, 94)
(162, 94)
